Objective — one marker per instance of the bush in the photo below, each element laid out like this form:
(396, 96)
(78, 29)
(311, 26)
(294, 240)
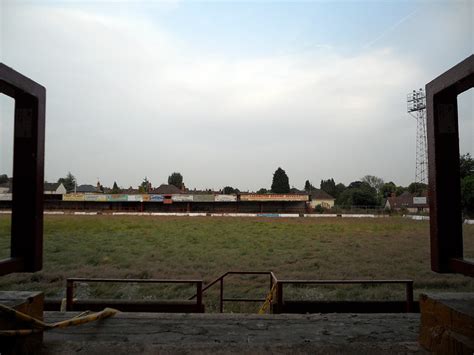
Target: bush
(319, 209)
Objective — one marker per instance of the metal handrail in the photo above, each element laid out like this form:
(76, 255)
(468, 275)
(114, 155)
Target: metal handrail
(209, 285)
(273, 281)
(71, 281)
(408, 285)
(221, 278)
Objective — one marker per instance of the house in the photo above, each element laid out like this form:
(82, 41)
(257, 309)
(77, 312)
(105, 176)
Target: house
(54, 188)
(321, 198)
(164, 189)
(129, 191)
(408, 201)
(86, 189)
(6, 187)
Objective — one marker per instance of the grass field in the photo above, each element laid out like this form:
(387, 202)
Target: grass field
(205, 247)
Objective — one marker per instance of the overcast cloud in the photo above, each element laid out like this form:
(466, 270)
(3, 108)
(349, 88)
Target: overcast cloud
(129, 95)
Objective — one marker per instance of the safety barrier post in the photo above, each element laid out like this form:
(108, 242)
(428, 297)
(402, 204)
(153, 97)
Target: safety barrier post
(409, 291)
(199, 294)
(69, 295)
(221, 306)
(279, 297)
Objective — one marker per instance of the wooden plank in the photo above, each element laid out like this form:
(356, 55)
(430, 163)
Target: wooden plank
(30, 303)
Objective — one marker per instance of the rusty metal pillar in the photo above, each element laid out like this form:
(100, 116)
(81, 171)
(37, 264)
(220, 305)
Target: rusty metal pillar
(443, 158)
(28, 171)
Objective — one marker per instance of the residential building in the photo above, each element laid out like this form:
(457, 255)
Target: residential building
(54, 188)
(407, 201)
(321, 198)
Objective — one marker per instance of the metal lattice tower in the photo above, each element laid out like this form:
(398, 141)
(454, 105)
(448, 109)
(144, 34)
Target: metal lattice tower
(416, 107)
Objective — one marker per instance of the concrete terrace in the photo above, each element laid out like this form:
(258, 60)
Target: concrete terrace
(131, 333)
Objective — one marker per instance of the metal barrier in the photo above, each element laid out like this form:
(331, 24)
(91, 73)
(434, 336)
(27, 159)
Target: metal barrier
(280, 283)
(221, 278)
(71, 281)
(279, 305)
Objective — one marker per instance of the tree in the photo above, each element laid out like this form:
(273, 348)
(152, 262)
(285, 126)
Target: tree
(228, 190)
(145, 186)
(69, 182)
(307, 186)
(374, 182)
(3, 178)
(362, 197)
(358, 193)
(467, 193)
(357, 197)
(176, 179)
(355, 185)
(340, 188)
(281, 183)
(329, 186)
(400, 190)
(262, 191)
(417, 188)
(388, 189)
(116, 189)
(466, 165)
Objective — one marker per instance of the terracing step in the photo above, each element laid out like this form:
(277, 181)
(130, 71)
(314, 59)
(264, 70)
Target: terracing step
(237, 333)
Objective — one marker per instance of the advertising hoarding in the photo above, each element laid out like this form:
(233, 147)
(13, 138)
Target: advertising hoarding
(6, 197)
(225, 198)
(96, 198)
(156, 198)
(273, 197)
(117, 198)
(73, 197)
(134, 198)
(419, 200)
(203, 198)
(182, 198)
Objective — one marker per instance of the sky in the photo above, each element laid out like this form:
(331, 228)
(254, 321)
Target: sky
(225, 92)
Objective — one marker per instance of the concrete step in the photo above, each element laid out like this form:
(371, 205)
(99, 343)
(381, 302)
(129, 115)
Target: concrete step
(128, 333)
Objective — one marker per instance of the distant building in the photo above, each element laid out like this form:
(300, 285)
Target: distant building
(87, 189)
(407, 201)
(54, 188)
(321, 198)
(6, 187)
(129, 191)
(164, 189)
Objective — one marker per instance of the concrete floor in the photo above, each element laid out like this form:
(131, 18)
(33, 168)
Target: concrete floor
(133, 333)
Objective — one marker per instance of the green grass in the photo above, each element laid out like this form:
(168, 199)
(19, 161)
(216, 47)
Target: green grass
(205, 247)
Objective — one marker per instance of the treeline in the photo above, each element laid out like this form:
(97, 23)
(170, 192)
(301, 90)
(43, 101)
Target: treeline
(370, 191)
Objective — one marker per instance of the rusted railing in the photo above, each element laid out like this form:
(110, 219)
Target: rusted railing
(279, 302)
(71, 281)
(280, 283)
(221, 278)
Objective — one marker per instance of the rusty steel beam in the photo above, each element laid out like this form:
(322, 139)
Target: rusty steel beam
(28, 171)
(443, 164)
